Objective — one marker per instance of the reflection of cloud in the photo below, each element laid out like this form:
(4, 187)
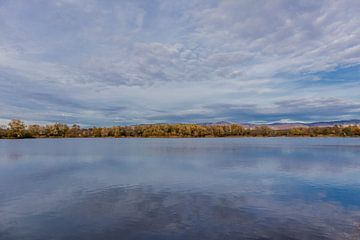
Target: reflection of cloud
(136, 212)
(258, 187)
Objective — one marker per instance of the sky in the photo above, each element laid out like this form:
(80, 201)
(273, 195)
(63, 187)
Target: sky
(153, 61)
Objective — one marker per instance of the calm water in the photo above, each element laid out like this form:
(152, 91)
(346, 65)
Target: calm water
(258, 188)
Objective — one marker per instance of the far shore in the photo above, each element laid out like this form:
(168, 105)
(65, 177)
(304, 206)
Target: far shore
(17, 129)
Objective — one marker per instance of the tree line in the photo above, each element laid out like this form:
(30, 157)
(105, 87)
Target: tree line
(18, 129)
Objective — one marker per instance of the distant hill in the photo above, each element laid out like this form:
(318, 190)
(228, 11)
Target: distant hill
(222, 123)
(333, 123)
(284, 126)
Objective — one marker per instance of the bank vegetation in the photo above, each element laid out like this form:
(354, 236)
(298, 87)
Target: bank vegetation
(17, 129)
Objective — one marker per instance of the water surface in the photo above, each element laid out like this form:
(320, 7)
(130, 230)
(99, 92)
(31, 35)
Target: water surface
(220, 188)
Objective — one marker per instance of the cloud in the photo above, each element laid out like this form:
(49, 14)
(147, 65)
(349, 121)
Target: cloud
(185, 55)
(293, 109)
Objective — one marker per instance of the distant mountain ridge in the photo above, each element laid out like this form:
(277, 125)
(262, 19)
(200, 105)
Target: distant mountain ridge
(289, 125)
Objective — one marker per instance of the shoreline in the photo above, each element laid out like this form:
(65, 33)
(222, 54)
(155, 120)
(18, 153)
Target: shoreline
(207, 137)
(17, 129)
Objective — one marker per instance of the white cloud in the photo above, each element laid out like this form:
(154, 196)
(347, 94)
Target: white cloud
(167, 57)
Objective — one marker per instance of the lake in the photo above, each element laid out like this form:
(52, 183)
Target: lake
(212, 188)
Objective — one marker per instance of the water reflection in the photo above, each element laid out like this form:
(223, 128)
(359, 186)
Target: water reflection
(180, 189)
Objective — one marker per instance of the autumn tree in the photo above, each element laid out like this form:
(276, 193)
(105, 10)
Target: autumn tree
(3, 132)
(16, 129)
(35, 130)
(74, 131)
(262, 131)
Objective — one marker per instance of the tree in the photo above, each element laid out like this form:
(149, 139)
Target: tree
(3, 132)
(236, 130)
(34, 130)
(57, 130)
(262, 131)
(74, 131)
(16, 129)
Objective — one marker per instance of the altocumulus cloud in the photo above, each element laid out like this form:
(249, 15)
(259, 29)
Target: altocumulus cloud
(125, 62)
